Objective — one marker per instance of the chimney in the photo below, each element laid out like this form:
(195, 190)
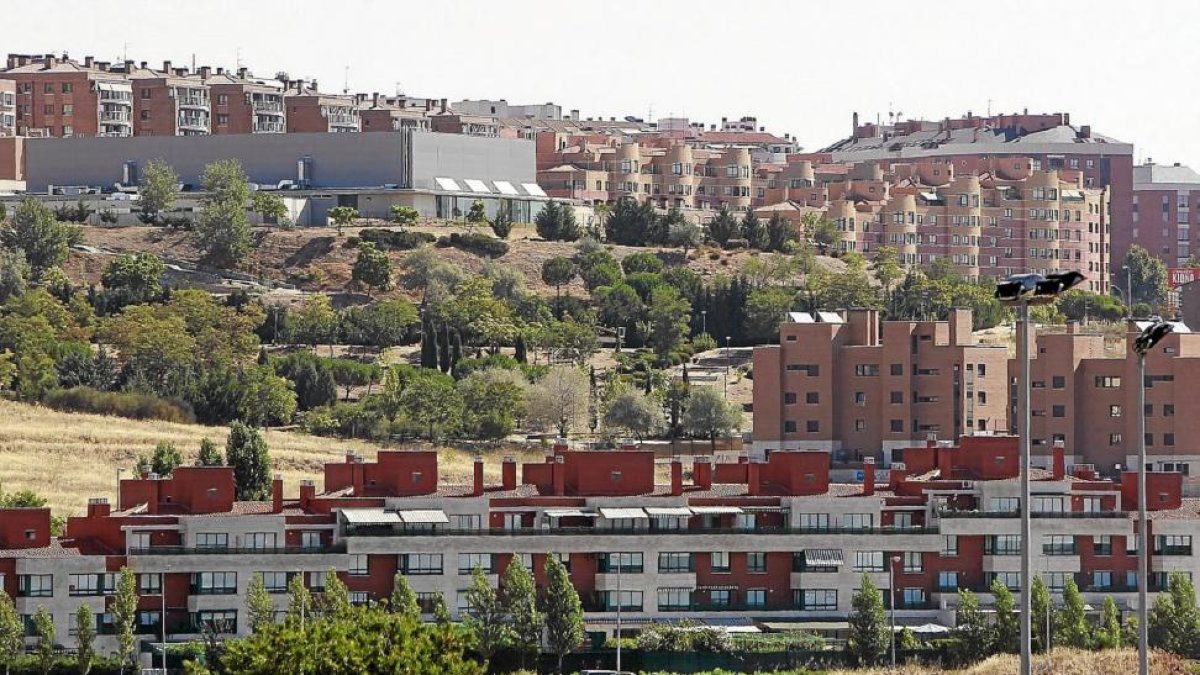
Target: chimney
(477, 488)
(575, 115)
(142, 65)
(702, 472)
(1059, 460)
(896, 475)
(241, 72)
(308, 492)
(204, 72)
(560, 446)
(277, 494)
(752, 478)
(220, 70)
(166, 67)
(676, 478)
(445, 108)
(48, 62)
(559, 475)
(854, 130)
(375, 99)
(98, 507)
(931, 439)
(868, 476)
(88, 61)
(508, 473)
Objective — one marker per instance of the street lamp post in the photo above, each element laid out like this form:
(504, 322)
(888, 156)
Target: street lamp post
(619, 560)
(1150, 336)
(1024, 290)
(704, 321)
(892, 590)
(727, 358)
(163, 622)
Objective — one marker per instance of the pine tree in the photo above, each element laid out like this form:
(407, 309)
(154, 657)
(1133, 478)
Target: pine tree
(563, 611)
(247, 453)
(85, 639)
(12, 632)
(1072, 629)
(209, 454)
(260, 606)
(868, 639)
(404, 600)
(124, 611)
(1006, 632)
(441, 613)
(521, 602)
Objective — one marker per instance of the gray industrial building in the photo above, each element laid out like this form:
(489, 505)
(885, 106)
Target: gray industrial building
(439, 174)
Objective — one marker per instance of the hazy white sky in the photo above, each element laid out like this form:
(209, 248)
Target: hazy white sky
(801, 66)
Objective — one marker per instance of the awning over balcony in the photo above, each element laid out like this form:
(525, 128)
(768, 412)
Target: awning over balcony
(622, 513)
(505, 187)
(715, 510)
(476, 185)
(447, 184)
(533, 190)
(423, 517)
(668, 511)
(570, 513)
(370, 516)
(823, 557)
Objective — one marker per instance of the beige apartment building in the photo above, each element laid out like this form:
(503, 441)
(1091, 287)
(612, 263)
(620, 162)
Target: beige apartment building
(859, 388)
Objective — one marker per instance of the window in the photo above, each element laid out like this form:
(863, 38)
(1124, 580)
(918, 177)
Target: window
(897, 397)
(35, 585)
(1172, 544)
(1091, 504)
(860, 398)
(310, 540)
(897, 369)
(275, 582)
(949, 546)
(1058, 411)
(866, 369)
(1056, 581)
(471, 521)
(858, 521)
(719, 561)
(221, 621)
(262, 540)
(913, 562)
(67, 87)
(630, 601)
(674, 599)
(902, 520)
(812, 426)
(812, 521)
(913, 597)
(222, 119)
(1114, 439)
(1004, 504)
(860, 425)
(897, 426)
(222, 99)
(358, 564)
(1108, 381)
(812, 397)
(1058, 382)
(630, 563)
(1048, 504)
(422, 563)
(789, 398)
(86, 584)
(789, 426)
(1058, 544)
(1011, 580)
(1168, 439)
(48, 88)
(947, 581)
(214, 583)
(674, 562)
(68, 109)
(1102, 580)
(1102, 544)
(212, 540)
(868, 561)
(1002, 544)
(756, 562)
(756, 597)
(359, 598)
(467, 562)
(149, 584)
(145, 114)
(816, 598)
(810, 369)
(316, 581)
(1114, 411)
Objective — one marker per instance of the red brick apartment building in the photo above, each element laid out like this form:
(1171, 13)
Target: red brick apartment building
(310, 111)
(61, 97)
(856, 388)
(736, 541)
(1166, 212)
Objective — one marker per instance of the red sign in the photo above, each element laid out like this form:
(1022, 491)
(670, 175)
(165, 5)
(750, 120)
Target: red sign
(1178, 276)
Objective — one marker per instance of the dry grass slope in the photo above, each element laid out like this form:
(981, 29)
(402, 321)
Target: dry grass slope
(69, 457)
(1060, 662)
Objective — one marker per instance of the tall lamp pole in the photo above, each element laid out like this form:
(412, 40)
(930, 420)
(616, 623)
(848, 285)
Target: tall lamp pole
(1023, 290)
(1150, 336)
(892, 589)
(619, 603)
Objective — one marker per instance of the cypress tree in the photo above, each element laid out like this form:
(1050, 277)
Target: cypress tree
(443, 361)
(429, 351)
(455, 350)
(519, 350)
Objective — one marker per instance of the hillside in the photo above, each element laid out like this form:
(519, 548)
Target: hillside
(69, 457)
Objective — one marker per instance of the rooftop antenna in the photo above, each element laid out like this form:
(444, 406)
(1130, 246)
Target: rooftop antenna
(346, 82)
(650, 113)
(238, 57)
(193, 62)
(989, 108)
(399, 90)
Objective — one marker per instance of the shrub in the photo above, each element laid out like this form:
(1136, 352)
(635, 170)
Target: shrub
(477, 243)
(120, 404)
(736, 244)
(391, 240)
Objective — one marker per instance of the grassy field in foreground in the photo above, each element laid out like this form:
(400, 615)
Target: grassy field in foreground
(1060, 662)
(69, 457)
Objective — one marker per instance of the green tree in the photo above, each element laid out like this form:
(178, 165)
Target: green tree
(971, 629)
(209, 454)
(34, 230)
(1006, 631)
(222, 231)
(1108, 633)
(404, 600)
(709, 415)
(124, 609)
(632, 412)
(85, 639)
(1072, 628)
(43, 628)
(404, 215)
(492, 399)
(12, 633)
(502, 224)
(1079, 305)
(314, 323)
(158, 189)
(820, 230)
(246, 451)
(888, 269)
(432, 402)
(1148, 275)
(477, 214)
(372, 268)
(1174, 618)
(342, 216)
(754, 232)
(300, 601)
(334, 599)
(132, 279)
(385, 323)
(558, 272)
(781, 235)
(630, 223)
(559, 399)
(556, 222)
(684, 234)
(269, 207)
(166, 458)
(563, 611)
(260, 606)
(766, 308)
(485, 617)
(722, 227)
(14, 273)
(642, 261)
(1041, 607)
(668, 314)
(520, 600)
(868, 639)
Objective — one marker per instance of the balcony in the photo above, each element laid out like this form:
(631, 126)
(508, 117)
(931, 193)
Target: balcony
(115, 116)
(213, 590)
(193, 122)
(343, 120)
(192, 102)
(225, 550)
(589, 531)
(261, 107)
(269, 127)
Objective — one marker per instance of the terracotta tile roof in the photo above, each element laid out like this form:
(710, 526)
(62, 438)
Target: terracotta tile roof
(54, 550)
(1189, 510)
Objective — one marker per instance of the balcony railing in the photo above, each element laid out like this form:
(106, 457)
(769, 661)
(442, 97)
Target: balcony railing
(192, 101)
(213, 590)
(225, 550)
(115, 116)
(590, 531)
(949, 513)
(267, 106)
(268, 127)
